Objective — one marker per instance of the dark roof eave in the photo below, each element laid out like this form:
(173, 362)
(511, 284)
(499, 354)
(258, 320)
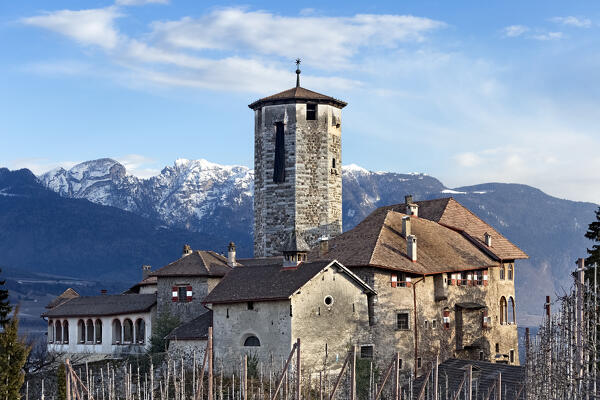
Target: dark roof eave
(45, 315)
(262, 103)
(211, 275)
(467, 268)
(246, 300)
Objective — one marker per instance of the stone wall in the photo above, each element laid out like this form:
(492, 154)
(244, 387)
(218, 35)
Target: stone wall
(269, 321)
(310, 199)
(186, 311)
(465, 338)
(327, 331)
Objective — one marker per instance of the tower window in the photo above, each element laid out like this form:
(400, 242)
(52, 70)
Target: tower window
(333, 163)
(279, 164)
(311, 112)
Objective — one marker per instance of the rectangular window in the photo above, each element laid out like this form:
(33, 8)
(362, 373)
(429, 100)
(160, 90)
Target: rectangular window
(512, 356)
(502, 271)
(366, 351)
(311, 112)
(279, 162)
(182, 294)
(497, 347)
(402, 321)
(478, 278)
(419, 362)
(250, 305)
(433, 324)
(481, 356)
(463, 278)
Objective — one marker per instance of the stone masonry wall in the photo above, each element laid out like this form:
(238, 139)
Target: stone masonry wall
(186, 311)
(310, 199)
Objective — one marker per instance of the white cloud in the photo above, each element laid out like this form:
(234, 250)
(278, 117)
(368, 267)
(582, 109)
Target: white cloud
(468, 159)
(89, 27)
(139, 165)
(548, 36)
(39, 165)
(139, 2)
(515, 30)
(573, 21)
(335, 39)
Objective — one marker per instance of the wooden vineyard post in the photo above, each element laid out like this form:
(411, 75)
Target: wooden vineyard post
(397, 377)
(298, 366)
(245, 378)
(352, 374)
(210, 363)
(283, 372)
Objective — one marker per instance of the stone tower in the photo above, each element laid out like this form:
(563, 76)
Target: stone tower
(297, 168)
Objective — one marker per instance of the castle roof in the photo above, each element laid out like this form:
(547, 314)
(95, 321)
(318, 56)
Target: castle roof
(295, 243)
(450, 238)
(198, 263)
(96, 306)
(271, 282)
(452, 214)
(297, 95)
(63, 297)
(196, 329)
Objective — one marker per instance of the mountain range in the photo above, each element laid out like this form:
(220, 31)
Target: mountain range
(97, 211)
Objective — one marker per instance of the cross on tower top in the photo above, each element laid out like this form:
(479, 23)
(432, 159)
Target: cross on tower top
(298, 61)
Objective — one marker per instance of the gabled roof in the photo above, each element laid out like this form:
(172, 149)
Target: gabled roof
(451, 213)
(198, 263)
(96, 306)
(196, 329)
(378, 241)
(65, 296)
(297, 95)
(271, 282)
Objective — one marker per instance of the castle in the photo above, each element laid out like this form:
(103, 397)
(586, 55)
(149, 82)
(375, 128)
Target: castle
(422, 278)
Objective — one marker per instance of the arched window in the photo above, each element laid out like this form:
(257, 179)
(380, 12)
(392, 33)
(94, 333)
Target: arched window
(502, 271)
(116, 332)
(89, 331)
(140, 330)
(511, 311)
(65, 334)
(127, 331)
(503, 313)
(50, 332)
(510, 272)
(251, 341)
(98, 331)
(80, 331)
(58, 329)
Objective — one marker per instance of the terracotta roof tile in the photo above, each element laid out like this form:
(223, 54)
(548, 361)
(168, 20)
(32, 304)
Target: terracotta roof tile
(198, 263)
(297, 94)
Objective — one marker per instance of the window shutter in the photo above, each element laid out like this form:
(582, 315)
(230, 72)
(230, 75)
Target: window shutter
(394, 280)
(453, 279)
(189, 293)
(446, 319)
(485, 277)
(174, 294)
(408, 281)
(484, 323)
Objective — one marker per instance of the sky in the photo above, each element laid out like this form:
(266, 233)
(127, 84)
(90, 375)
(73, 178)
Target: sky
(466, 91)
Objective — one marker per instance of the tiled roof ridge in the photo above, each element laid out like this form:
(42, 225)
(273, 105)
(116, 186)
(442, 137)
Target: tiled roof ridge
(382, 226)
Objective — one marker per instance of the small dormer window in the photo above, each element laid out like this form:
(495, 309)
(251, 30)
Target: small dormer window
(311, 112)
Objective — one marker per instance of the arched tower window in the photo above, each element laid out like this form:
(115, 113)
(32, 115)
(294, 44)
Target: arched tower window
(80, 331)
(140, 330)
(127, 331)
(65, 335)
(89, 331)
(503, 313)
(251, 341)
(50, 332)
(502, 271)
(279, 162)
(98, 331)
(510, 271)
(58, 330)
(511, 311)
(116, 332)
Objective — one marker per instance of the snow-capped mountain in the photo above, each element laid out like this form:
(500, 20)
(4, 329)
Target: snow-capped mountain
(189, 194)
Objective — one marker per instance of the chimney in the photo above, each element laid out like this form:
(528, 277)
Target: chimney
(146, 271)
(411, 208)
(488, 239)
(103, 291)
(406, 226)
(187, 250)
(231, 255)
(323, 245)
(411, 247)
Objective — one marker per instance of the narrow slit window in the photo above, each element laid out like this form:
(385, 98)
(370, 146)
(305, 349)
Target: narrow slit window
(333, 163)
(279, 163)
(311, 112)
